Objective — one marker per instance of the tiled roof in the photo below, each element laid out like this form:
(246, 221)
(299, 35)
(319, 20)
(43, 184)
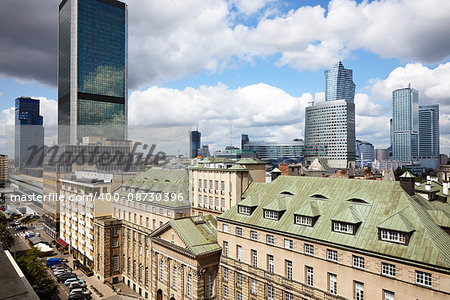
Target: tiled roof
(383, 200)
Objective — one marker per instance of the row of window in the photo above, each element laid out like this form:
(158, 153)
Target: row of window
(387, 269)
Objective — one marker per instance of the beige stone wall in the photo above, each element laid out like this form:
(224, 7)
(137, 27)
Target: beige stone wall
(239, 183)
(403, 285)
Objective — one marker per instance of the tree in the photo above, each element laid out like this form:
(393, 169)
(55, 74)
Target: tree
(6, 237)
(32, 265)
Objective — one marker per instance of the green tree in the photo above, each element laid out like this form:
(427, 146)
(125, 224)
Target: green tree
(6, 237)
(32, 265)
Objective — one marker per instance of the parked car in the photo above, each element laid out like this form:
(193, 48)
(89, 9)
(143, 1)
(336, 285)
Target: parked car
(21, 228)
(64, 277)
(60, 272)
(54, 261)
(77, 285)
(78, 297)
(72, 280)
(81, 291)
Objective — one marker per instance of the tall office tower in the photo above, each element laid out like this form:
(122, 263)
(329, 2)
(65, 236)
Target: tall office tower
(429, 136)
(3, 170)
(339, 83)
(244, 140)
(330, 126)
(29, 132)
(92, 70)
(194, 143)
(365, 153)
(405, 125)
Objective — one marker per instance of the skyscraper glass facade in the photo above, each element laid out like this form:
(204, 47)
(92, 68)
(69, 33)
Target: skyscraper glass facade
(194, 143)
(405, 125)
(339, 83)
(364, 153)
(330, 126)
(29, 131)
(429, 136)
(92, 81)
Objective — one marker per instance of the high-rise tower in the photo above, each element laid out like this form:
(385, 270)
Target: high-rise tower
(92, 69)
(29, 132)
(330, 125)
(429, 136)
(405, 124)
(339, 83)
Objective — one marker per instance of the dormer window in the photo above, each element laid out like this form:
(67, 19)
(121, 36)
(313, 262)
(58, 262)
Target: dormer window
(244, 210)
(344, 227)
(287, 193)
(319, 196)
(358, 200)
(271, 215)
(393, 236)
(124, 189)
(304, 220)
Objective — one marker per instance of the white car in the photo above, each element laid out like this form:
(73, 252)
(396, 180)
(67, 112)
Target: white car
(72, 280)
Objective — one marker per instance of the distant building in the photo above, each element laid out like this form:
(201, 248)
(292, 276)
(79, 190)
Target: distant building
(29, 132)
(274, 151)
(92, 70)
(244, 140)
(235, 154)
(330, 133)
(194, 143)
(339, 84)
(204, 151)
(381, 154)
(3, 170)
(429, 136)
(405, 125)
(364, 153)
(330, 126)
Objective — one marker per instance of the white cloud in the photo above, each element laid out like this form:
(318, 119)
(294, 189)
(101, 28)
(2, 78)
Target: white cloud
(366, 107)
(170, 39)
(1, 94)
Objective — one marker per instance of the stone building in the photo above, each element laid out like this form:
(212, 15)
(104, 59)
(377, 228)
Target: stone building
(329, 238)
(218, 184)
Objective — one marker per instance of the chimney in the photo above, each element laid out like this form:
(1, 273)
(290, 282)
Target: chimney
(407, 182)
(445, 188)
(275, 173)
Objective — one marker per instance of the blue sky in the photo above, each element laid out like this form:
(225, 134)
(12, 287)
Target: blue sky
(254, 64)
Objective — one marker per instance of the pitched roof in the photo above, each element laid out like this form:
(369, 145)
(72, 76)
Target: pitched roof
(199, 234)
(407, 174)
(158, 180)
(250, 161)
(427, 246)
(397, 222)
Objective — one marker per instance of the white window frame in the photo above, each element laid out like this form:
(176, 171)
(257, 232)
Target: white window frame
(304, 220)
(225, 291)
(343, 227)
(309, 276)
(388, 269)
(225, 228)
(424, 278)
(239, 252)
(359, 290)
(244, 210)
(270, 263)
(393, 236)
(254, 258)
(358, 262)
(239, 231)
(332, 255)
(238, 280)
(309, 249)
(253, 235)
(388, 295)
(288, 296)
(189, 285)
(270, 239)
(288, 244)
(270, 292)
(253, 286)
(225, 274)
(332, 281)
(271, 215)
(289, 269)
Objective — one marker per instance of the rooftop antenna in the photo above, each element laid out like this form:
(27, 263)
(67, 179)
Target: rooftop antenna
(231, 134)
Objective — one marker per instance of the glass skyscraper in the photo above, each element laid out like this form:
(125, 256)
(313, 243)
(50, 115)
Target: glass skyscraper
(29, 132)
(194, 143)
(429, 136)
(330, 126)
(92, 70)
(365, 153)
(339, 83)
(405, 125)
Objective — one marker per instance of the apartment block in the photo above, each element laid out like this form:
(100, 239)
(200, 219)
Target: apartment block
(3, 170)
(217, 184)
(329, 238)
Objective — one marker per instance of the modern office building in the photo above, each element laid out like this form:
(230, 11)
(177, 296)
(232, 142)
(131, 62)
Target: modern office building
(195, 141)
(429, 136)
(3, 170)
(330, 238)
(275, 151)
(244, 140)
(92, 70)
(365, 153)
(339, 84)
(330, 126)
(29, 132)
(405, 125)
(330, 133)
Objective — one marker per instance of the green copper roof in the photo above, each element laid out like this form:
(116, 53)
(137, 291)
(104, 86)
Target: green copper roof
(398, 222)
(251, 201)
(428, 244)
(250, 161)
(205, 161)
(198, 233)
(237, 167)
(310, 209)
(158, 180)
(277, 204)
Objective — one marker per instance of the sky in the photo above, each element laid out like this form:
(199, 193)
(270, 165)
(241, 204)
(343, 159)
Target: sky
(252, 65)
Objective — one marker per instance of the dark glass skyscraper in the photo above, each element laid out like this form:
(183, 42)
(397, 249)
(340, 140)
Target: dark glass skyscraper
(29, 131)
(194, 143)
(92, 69)
(429, 136)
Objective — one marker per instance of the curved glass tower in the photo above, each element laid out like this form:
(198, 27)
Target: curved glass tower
(92, 70)
(339, 83)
